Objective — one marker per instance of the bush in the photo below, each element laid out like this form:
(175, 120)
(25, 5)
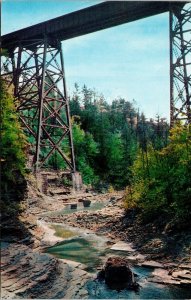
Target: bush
(162, 178)
(13, 146)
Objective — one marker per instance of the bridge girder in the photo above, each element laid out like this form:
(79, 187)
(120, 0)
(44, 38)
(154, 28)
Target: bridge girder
(91, 19)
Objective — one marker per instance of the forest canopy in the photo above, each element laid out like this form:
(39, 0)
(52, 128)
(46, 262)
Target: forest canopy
(108, 136)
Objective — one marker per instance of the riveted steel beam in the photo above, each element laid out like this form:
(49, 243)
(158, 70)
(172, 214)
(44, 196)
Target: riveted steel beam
(97, 17)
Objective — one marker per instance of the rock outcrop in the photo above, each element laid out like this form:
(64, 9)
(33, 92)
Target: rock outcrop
(117, 274)
(28, 274)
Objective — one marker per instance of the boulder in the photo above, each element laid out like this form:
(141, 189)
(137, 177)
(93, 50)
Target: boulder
(117, 270)
(73, 205)
(86, 202)
(117, 274)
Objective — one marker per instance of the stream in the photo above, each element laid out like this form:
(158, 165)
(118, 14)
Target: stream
(80, 207)
(92, 250)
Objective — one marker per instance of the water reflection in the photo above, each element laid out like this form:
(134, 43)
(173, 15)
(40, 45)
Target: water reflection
(78, 249)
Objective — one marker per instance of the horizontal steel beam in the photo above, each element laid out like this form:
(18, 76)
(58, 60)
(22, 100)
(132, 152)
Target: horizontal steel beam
(91, 19)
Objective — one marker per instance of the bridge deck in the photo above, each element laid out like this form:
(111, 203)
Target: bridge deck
(91, 19)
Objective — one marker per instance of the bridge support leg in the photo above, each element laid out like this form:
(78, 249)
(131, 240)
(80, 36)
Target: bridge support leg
(36, 71)
(180, 62)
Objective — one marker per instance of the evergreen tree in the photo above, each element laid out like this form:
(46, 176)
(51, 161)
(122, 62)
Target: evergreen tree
(13, 149)
(86, 150)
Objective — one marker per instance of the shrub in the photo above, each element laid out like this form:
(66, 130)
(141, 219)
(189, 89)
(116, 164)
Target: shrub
(162, 178)
(13, 146)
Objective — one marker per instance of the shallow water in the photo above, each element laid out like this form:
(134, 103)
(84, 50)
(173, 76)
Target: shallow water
(77, 249)
(80, 207)
(63, 233)
(147, 290)
(92, 250)
(84, 247)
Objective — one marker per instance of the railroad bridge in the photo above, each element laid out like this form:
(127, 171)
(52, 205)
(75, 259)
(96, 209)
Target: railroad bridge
(34, 67)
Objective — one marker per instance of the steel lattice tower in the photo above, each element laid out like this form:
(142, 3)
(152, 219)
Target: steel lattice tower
(35, 70)
(180, 62)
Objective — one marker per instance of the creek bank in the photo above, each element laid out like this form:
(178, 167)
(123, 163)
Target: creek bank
(150, 245)
(98, 289)
(27, 272)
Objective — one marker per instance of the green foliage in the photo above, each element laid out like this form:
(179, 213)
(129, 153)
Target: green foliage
(117, 129)
(86, 150)
(13, 141)
(115, 156)
(106, 136)
(13, 146)
(162, 178)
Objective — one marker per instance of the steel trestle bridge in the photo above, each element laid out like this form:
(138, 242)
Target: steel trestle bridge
(34, 67)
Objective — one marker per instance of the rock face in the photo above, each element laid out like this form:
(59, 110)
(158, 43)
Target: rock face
(28, 274)
(117, 274)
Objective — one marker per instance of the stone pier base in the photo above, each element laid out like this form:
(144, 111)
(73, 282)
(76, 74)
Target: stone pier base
(77, 181)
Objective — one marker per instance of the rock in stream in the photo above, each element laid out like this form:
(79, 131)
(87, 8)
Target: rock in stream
(117, 274)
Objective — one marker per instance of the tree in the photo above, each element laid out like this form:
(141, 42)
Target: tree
(163, 185)
(86, 150)
(115, 162)
(75, 102)
(13, 148)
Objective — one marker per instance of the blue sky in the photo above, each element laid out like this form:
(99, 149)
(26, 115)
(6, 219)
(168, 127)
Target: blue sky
(129, 61)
